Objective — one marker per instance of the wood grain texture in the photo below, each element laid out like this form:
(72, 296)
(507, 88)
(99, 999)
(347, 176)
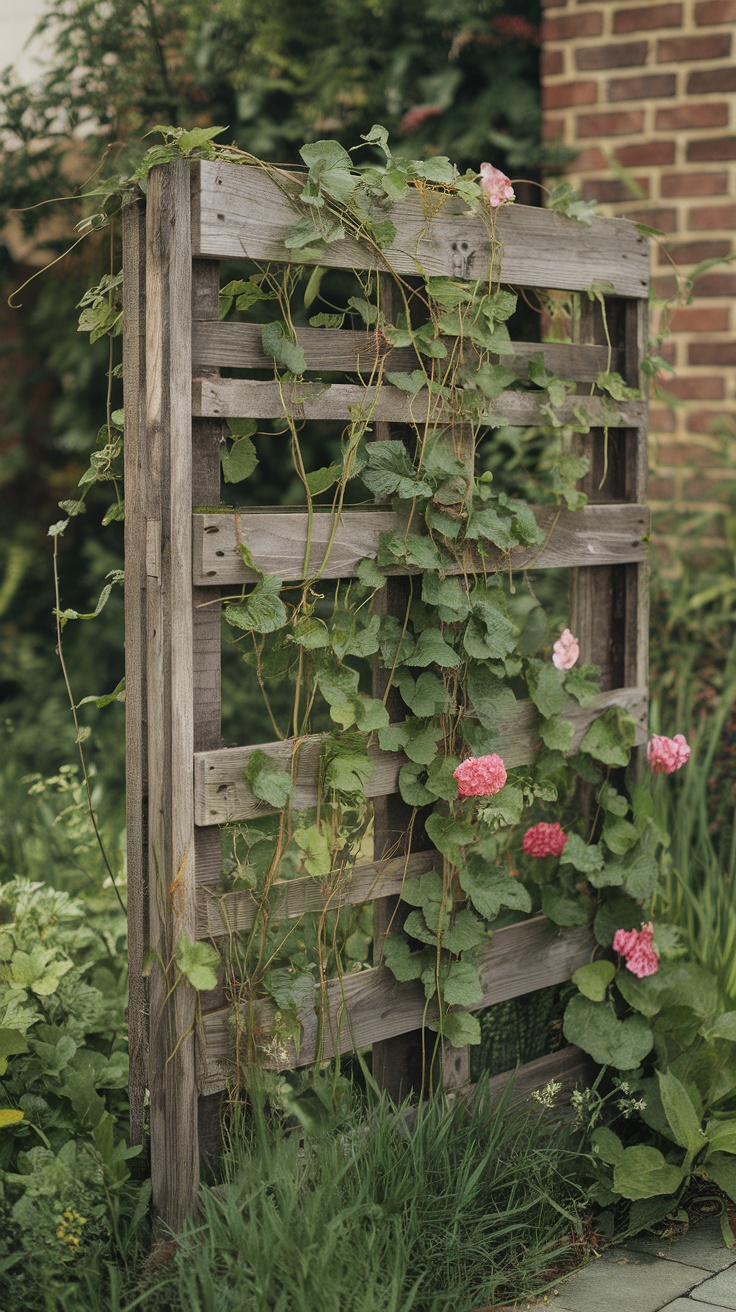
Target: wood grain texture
(237, 398)
(134, 395)
(242, 213)
(570, 1067)
(222, 795)
(238, 346)
(170, 681)
(371, 1005)
(277, 541)
(219, 914)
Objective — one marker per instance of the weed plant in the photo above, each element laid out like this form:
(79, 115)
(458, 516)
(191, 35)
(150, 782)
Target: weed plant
(461, 1210)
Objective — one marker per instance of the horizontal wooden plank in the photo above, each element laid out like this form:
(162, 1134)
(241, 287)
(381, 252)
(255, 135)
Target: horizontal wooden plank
(242, 212)
(277, 540)
(222, 796)
(239, 346)
(239, 398)
(219, 914)
(371, 1005)
(569, 1066)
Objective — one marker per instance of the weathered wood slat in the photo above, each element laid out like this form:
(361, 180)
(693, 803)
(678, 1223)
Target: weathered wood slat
(240, 212)
(237, 398)
(569, 1067)
(277, 541)
(367, 1007)
(221, 794)
(220, 914)
(238, 346)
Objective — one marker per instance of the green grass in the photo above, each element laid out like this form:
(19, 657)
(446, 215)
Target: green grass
(466, 1209)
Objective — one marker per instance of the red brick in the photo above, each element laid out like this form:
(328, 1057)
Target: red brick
(609, 191)
(692, 252)
(571, 25)
(692, 116)
(707, 81)
(622, 123)
(694, 319)
(716, 284)
(703, 489)
(683, 49)
(682, 454)
(552, 63)
(712, 217)
(554, 4)
(569, 93)
(694, 184)
(648, 152)
(715, 11)
(704, 421)
(697, 389)
(664, 219)
(661, 489)
(625, 54)
(647, 19)
(590, 159)
(661, 419)
(552, 127)
(715, 354)
(713, 148)
(644, 87)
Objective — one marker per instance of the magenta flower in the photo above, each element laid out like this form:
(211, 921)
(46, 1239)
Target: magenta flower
(665, 755)
(565, 651)
(637, 950)
(544, 840)
(480, 776)
(496, 186)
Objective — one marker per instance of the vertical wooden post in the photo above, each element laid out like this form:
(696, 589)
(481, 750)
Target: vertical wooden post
(135, 471)
(170, 682)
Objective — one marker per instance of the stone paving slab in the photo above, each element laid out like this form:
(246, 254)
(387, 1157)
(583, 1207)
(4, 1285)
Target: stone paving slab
(701, 1245)
(720, 1289)
(687, 1305)
(626, 1281)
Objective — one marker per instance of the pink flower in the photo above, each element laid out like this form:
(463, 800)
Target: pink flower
(416, 117)
(665, 755)
(480, 776)
(637, 950)
(544, 840)
(496, 185)
(565, 651)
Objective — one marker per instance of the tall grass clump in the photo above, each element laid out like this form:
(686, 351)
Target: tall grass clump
(461, 1209)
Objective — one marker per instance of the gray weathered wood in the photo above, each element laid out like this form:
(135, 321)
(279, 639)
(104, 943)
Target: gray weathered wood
(222, 795)
(277, 541)
(136, 480)
(570, 1067)
(173, 1092)
(243, 212)
(237, 398)
(239, 346)
(220, 914)
(371, 1005)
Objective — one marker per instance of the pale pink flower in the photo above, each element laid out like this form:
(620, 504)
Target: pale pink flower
(496, 186)
(480, 776)
(637, 950)
(416, 117)
(544, 840)
(665, 755)
(565, 651)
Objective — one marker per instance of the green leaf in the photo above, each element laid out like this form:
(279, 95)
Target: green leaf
(412, 382)
(593, 980)
(490, 888)
(417, 740)
(431, 649)
(240, 461)
(503, 810)
(449, 835)
(493, 379)
(412, 787)
(12, 1042)
(721, 1136)
(461, 984)
(389, 470)
(267, 780)
(546, 688)
(557, 734)
(366, 309)
(346, 764)
(643, 1173)
(458, 1028)
(320, 479)
(465, 932)
(594, 1027)
(325, 320)
(369, 574)
(606, 1145)
(198, 962)
(563, 909)
(614, 384)
(583, 682)
(447, 596)
(10, 1116)
(582, 856)
(401, 961)
(722, 1169)
(611, 737)
(682, 1117)
(292, 990)
(263, 611)
(491, 699)
(722, 1028)
(426, 697)
(315, 850)
(278, 344)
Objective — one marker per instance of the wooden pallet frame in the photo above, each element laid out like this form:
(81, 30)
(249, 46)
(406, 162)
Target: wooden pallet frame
(181, 783)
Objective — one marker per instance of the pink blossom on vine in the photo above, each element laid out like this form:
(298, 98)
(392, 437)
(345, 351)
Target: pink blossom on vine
(665, 755)
(637, 949)
(496, 186)
(480, 776)
(565, 651)
(544, 839)
(417, 115)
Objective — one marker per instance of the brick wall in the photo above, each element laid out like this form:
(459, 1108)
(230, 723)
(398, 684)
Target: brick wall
(645, 94)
